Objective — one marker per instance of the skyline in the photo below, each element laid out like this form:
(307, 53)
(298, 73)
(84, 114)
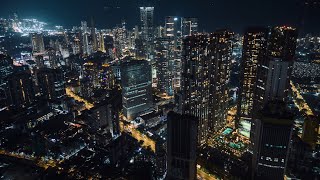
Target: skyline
(108, 13)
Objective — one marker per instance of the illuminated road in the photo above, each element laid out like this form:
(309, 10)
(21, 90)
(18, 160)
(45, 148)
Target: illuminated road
(139, 136)
(303, 105)
(39, 162)
(70, 93)
(205, 176)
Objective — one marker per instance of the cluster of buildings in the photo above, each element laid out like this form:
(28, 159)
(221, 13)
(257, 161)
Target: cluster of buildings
(153, 102)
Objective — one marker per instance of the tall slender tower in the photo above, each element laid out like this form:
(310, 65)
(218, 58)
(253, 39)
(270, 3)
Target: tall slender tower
(254, 50)
(147, 21)
(94, 35)
(205, 77)
(173, 34)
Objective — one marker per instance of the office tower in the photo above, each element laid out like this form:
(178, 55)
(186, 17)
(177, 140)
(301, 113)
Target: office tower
(84, 27)
(173, 33)
(105, 115)
(101, 43)
(273, 130)
(253, 51)
(310, 130)
(136, 87)
(147, 31)
(53, 58)
(76, 46)
(21, 89)
(37, 43)
(106, 77)
(274, 71)
(6, 68)
(146, 18)
(51, 83)
(189, 26)
(181, 146)
(94, 36)
(164, 78)
(86, 46)
(205, 77)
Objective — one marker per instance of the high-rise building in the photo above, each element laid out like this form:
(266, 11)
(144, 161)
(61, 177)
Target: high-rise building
(136, 87)
(164, 80)
(181, 147)
(21, 89)
(37, 43)
(205, 80)
(274, 71)
(254, 50)
(189, 26)
(51, 83)
(147, 27)
(173, 33)
(94, 36)
(273, 129)
(6, 68)
(146, 18)
(84, 27)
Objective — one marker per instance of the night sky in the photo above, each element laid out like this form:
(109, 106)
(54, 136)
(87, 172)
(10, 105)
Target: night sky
(212, 14)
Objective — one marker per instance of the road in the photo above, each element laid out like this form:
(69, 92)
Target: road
(205, 176)
(138, 136)
(302, 105)
(70, 93)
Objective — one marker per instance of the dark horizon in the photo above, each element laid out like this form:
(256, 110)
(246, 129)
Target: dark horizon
(231, 14)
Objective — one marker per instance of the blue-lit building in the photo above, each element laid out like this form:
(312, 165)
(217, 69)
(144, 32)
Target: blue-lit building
(136, 82)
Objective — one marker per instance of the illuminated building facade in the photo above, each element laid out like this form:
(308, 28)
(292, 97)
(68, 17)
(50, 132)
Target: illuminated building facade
(136, 81)
(274, 71)
(271, 142)
(6, 68)
(147, 25)
(173, 33)
(181, 146)
(51, 83)
(21, 89)
(189, 26)
(164, 80)
(205, 79)
(254, 50)
(37, 43)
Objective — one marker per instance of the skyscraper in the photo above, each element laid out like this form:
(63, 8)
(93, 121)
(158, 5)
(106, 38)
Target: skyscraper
(37, 43)
(136, 87)
(173, 33)
(189, 26)
(205, 77)
(274, 71)
(147, 21)
(254, 50)
(6, 68)
(51, 83)
(162, 62)
(94, 36)
(182, 145)
(21, 89)
(271, 141)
